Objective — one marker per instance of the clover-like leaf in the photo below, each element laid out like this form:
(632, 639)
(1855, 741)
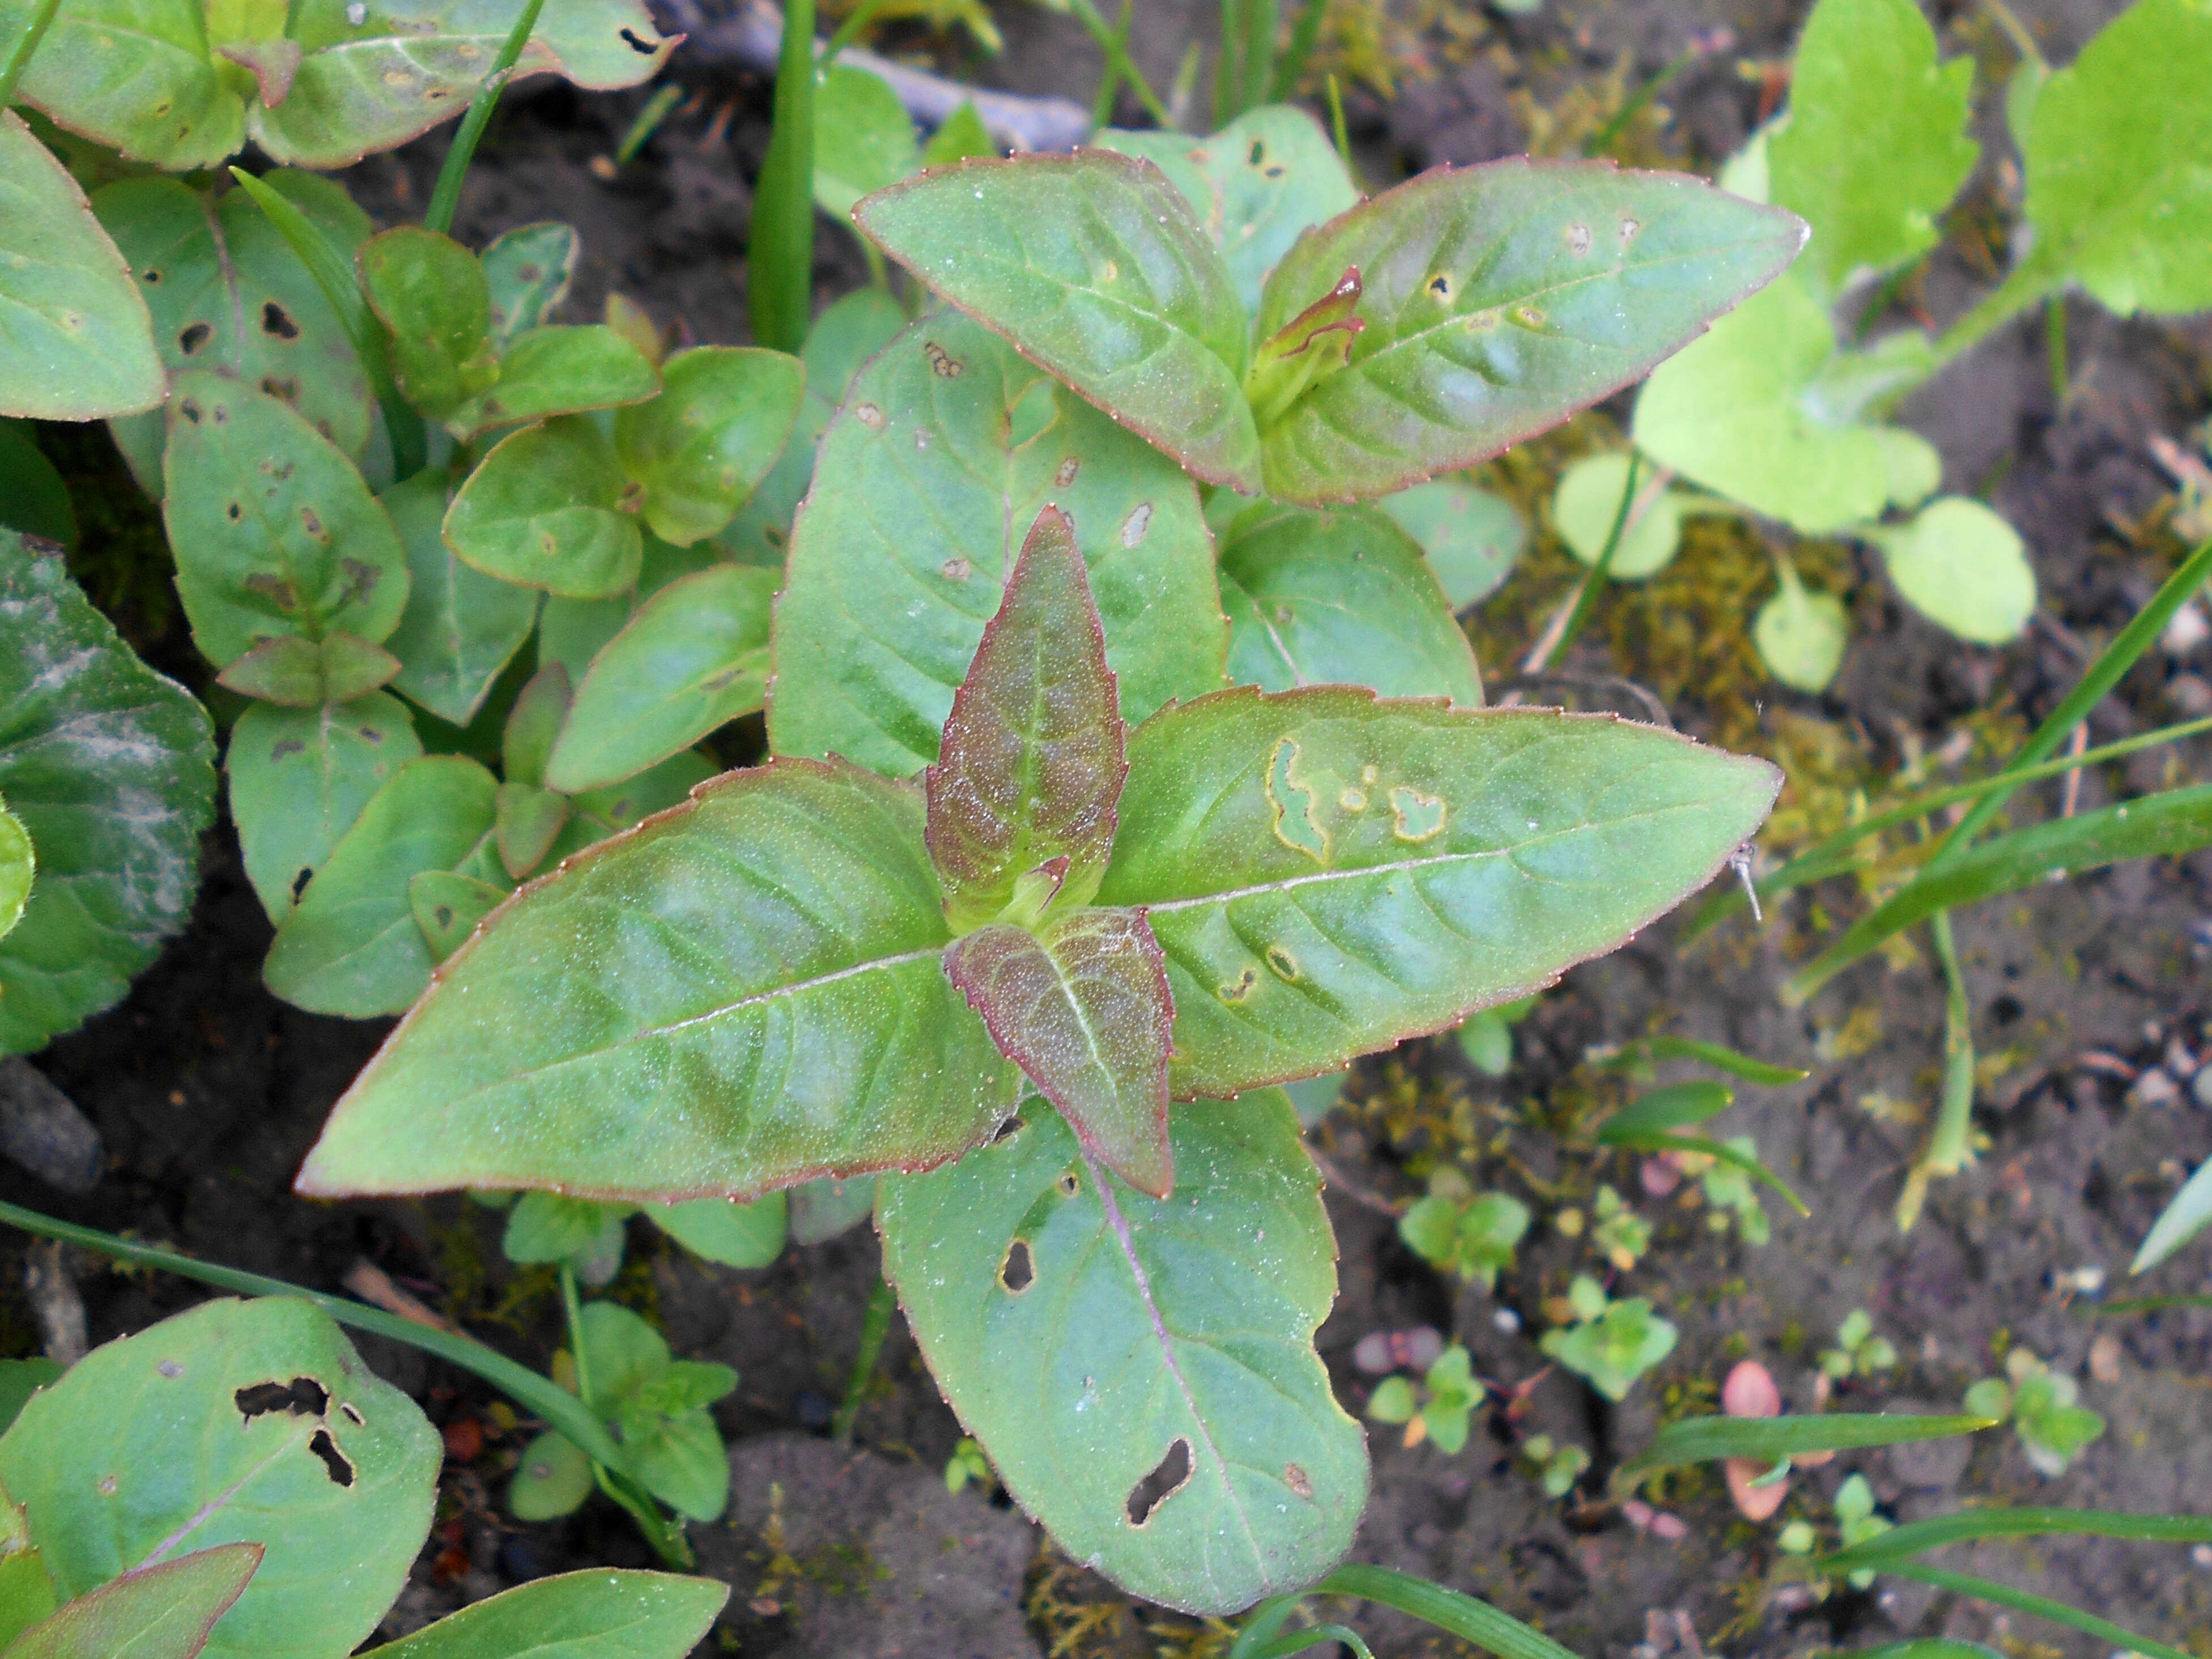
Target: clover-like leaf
(1082, 1007)
(109, 769)
(461, 627)
(603, 1613)
(76, 343)
(1031, 758)
(782, 1013)
(526, 272)
(700, 448)
(274, 530)
(1962, 567)
(1497, 300)
(1141, 1372)
(1339, 596)
(430, 293)
(239, 1422)
(946, 449)
(167, 1611)
(1328, 872)
(544, 509)
(1473, 539)
(1092, 266)
(299, 778)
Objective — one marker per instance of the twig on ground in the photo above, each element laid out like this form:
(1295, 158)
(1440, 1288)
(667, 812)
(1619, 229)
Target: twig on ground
(55, 1303)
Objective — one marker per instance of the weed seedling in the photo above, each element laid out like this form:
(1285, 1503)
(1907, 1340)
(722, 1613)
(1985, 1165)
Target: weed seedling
(1554, 1468)
(2043, 1405)
(1611, 1342)
(1438, 1409)
(1459, 1231)
(1858, 1351)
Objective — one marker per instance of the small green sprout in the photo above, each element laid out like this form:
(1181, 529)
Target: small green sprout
(1439, 1407)
(1621, 1235)
(2043, 1404)
(1473, 1234)
(1487, 1036)
(1610, 1343)
(1734, 1196)
(1855, 1522)
(1556, 1468)
(967, 1463)
(1859, 1351)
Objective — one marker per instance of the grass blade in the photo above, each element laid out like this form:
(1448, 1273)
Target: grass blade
(446, 196)
(2179, 1222)
(2039, 1606)
(1745, 1068)
(1901, 1543)
(1305, 35)
(1665, 1108)
(780, 263)
(1261, 23)
(20, 48)
(1770, 1439)
(1299, 1641)
(1448, 1610)
(1719, 1149)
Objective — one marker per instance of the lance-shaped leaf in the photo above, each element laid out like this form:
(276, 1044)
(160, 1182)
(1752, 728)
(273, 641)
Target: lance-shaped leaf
(947, 448)
(1328, 872)
(163, 1611)
(1082, 1007)
(75, 341)
(461, 627)
(1497, 300)
(1141, 1372)
(1305, 351)
(699, 449)
(1031, 758)
(545, 510)
(595, 1614)
(1093, 266)
(733, 997)
(274, 530)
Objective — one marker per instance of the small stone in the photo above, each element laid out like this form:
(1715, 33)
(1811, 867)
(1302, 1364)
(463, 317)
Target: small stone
(2153, 1088)
(2105, 1359)
(2185, 630)
(1506, 1320)
(2190, 695)
(2200, 1087)
(42, 1129)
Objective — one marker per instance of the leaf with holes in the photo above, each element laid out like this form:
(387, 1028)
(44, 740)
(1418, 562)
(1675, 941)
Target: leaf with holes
(109, 769)
(527, 272)
(299, 778)
(1142, 1373)
(783, 1014)
(239, 1422)
(1257, 186)
(1328, 872)
(544, 509)
(76, 343)
(601, 1613)
(1339, 596)
(135, 75)
(700, 448)
(550, 371)
(1497, 300)
(430, 293)
(1031, 757)
(227, 294)
(167, 1611)
(693, 658)
(946, 449)
(461, 627)
(274, 532)
(1093, 266)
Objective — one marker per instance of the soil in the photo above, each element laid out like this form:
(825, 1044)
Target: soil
(2090, 995)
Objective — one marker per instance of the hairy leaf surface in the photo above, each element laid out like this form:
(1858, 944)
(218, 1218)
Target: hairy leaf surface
(299, 778)
(1093, 267)
(1328, 873)
(163, 1611)
(1497, 300)
(734, 996)
(931, 506)
(1085, 1332)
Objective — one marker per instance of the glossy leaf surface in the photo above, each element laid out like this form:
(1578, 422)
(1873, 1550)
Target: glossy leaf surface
(237, 1422)
(461, 627)
(1083, 1332)
(75, 341)
(299, 778)
(1339, 596)
(110, 768)
(544, 510)
(163, 1611)
(595, 1614)
(550, 371)
(932, 505)
(1092, 266)
(527, 272)
(1328, 873)
(737, 995)
(1472, 538)
(273, 529)
(430, 293)
(700, 447)
(693, 658)
(1497, 300)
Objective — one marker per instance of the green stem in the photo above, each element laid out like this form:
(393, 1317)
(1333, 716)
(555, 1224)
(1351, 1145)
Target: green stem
(19, 55)
(648, 123)
(446, 199)
(1303, 38)
(782, 258)
(849, 31)
(1109, 79)
(1086, 12)
(572, 1309)
(1594, 584)
(2027, 284)
(1336, 129)
(2022, 41)
(875, 1326)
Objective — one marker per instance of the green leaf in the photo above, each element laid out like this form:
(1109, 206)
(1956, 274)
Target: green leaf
(1770, 1439)
(1328, 872)
(1670, 1108)
(1962, 567)
(547, 1227)
(110, 769)
(527, 820)
(273, 529)
(657, 1406)
(1257, 186)
(1497, 300)
(350, 946)
(553, 1479)
(2181, 1220)
(823, 1208)
(723, 1230)
(534, 723)
(599, 813)
(1473, 539)
(1082, 1007)
(76, 343)
(461, 627)
(544, 510)
(693, 658)
(527, 272)
(299, 778)
(1874, 146)
(447, 907)
(704, 444)
(18, 862)
(1393, 1401)
(1076, 1325)
(1448, 1610)
(1339, 596)
(1739, 412)
(2038, 1607)
(1588, 501)
(163, 1611)
(1092, 266)
(1911, 1538)
(227, 293)
(1744, 1067)
(134, 75)
(550, 371)
(931, 504)
(1800, 635)
(239, 1422)
(297, 673)
(430, 293)
(782, 1014)
(1613, 1347)
(863, 139)
(2119, 163)
(961, 136)
(596, 1614)
(34, 498)
(1030, 763)
(2174, 821)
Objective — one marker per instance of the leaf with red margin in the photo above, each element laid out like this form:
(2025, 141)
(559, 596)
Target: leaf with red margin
(1031, 763)
(1083, 1007)
(163, 1611)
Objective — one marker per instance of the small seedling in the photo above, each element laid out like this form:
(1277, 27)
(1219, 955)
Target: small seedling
(1858, 1351)
(1487, 1036)
(1621, 1235)
(1855, 1522)
(967, 1464)
(589, 1236)
(1610, 1343)
(1731, 1191)
(2043, 1405)
(1437, 1408)
(1555, 1469)
(1459, 1231)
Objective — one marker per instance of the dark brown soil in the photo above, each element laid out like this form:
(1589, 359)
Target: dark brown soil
(208, 1091)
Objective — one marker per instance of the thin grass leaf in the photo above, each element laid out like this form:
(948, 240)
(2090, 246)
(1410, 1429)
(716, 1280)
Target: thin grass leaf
(781, 260)
(1305, 37)
(1927, 1647)
(2039, 1606)
(2179, 1222)
(1720, 1150)
(1665, 1108)
(1299, 1641)
(1902, 1543)
(1770, 1439)
(1448, 1610)
(446, 196)
(2143, 1304)
(1744, 1067)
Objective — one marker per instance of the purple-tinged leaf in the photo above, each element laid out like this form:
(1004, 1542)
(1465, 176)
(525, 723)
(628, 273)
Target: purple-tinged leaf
(1083, 1007)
